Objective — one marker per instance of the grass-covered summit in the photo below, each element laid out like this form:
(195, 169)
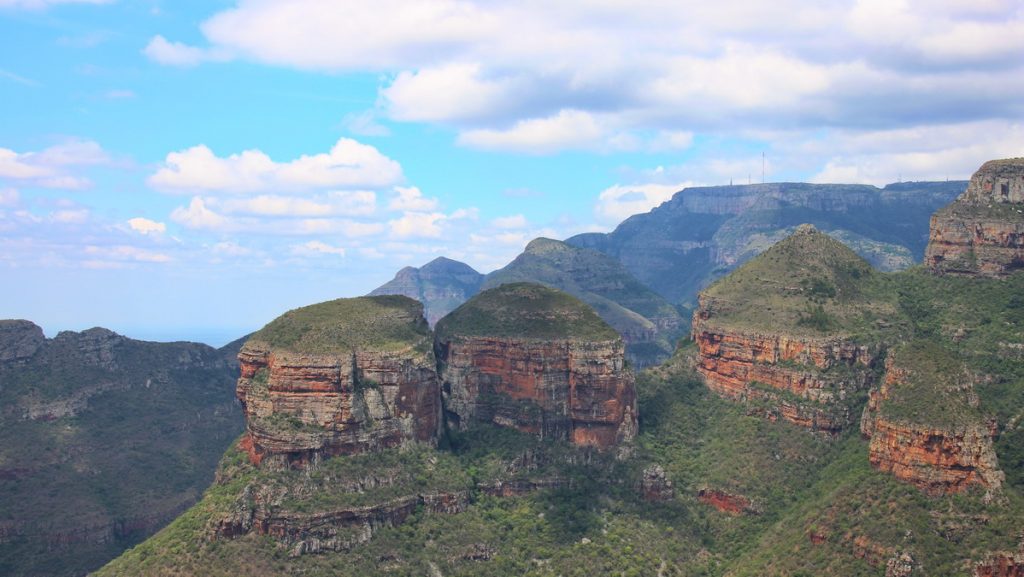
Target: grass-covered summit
(807, 283)
(526, 311)
(383, 323)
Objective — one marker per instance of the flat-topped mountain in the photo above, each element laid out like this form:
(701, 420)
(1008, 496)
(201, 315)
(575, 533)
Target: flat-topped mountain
(341, 377)
(702, 233)
(646, 321)
(103, 440)
(538, 360)
(441, 285)
(982, 232)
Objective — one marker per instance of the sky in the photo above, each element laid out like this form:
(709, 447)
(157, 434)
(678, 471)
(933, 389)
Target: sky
(191, 170)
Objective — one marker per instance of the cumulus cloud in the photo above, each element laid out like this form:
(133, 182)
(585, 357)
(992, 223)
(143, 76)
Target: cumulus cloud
(417, 225)
(684, 68)
(619, 202)
(146, 226)
(334, 203)
(161, 50)
(126, 253)
(197, 216)
(412, 199)
(348, 164)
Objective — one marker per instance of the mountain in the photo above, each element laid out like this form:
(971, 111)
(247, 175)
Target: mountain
(703, 232)
(826, 419)
(647, 322)
(103, 440)
(441, 285)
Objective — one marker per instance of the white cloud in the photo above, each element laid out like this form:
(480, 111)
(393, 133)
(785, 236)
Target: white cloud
(616, 203)
(364, 124)
(348, 164)
(446, 93)
(228, 248)
(567, 129)
(510, 222)
(417, 224)
(146, 226)
(411, 199)
(160, 50)
(198, 216)
(70, 216)
(335, 203)
(316, 247)
(48, 167)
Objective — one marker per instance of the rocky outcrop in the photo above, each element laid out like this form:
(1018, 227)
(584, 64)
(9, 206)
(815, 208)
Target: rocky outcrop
(937, 458)
(559, 389)
(811, 382)
(1001, 565)
(344, 393)
(982, 232)
(655, 485)
(537, 360)
(19, 340)
(725, 501)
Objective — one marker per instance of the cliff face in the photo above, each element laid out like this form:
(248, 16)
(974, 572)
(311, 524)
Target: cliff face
(340, 396)
(94, 429)
(939, 454)
(704, 232)
(561, 389)
(441, 285)
(537, 360)
(982, 232)
(1001, 565)
(808, 382)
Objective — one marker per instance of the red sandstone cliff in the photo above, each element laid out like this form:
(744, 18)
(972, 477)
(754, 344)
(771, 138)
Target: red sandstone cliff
(807, 381)
(937, 458)
(982, 232)
(564, 389)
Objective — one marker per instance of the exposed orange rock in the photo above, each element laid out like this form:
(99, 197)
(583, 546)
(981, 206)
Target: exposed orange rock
(725, 502)
(982, 231)
(938, 460)
(1001, 565)
(304, 406)
(783, 371)
(563, 389)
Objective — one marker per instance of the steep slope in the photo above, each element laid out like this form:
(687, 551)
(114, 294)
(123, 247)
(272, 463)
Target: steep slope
(983, 231)
(646, 321)
(702, 233)
(794, 333)
(342, 377)
(540, 361)
(441, 285)
(103, 440)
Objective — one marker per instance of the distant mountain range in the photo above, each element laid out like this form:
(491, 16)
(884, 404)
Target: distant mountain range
(441, 285)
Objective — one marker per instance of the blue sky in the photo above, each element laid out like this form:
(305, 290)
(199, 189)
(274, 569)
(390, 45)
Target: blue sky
(193, 169)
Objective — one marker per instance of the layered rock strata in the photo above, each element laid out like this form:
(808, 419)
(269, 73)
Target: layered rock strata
(811, 382)
(568, 384)
(939, 458)
(982, 232)
(725, 501)
(337, 391)
(1001, 565)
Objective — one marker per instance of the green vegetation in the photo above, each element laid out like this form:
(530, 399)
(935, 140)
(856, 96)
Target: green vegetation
(525, 310)
(124, 440)
(386, 323)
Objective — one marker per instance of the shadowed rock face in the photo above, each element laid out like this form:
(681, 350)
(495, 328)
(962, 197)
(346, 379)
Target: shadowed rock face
(574, 386)
(982, 232)
(441, 285)
(341, 387)
(939, 457)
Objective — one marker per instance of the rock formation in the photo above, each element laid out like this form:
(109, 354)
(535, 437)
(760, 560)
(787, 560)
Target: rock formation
(537, 360)
(982, 232)
(725, 501)
(341, 377)
(1001, 565)
(19, 340)
(441, 285)
(765, 336)
(924, 426)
